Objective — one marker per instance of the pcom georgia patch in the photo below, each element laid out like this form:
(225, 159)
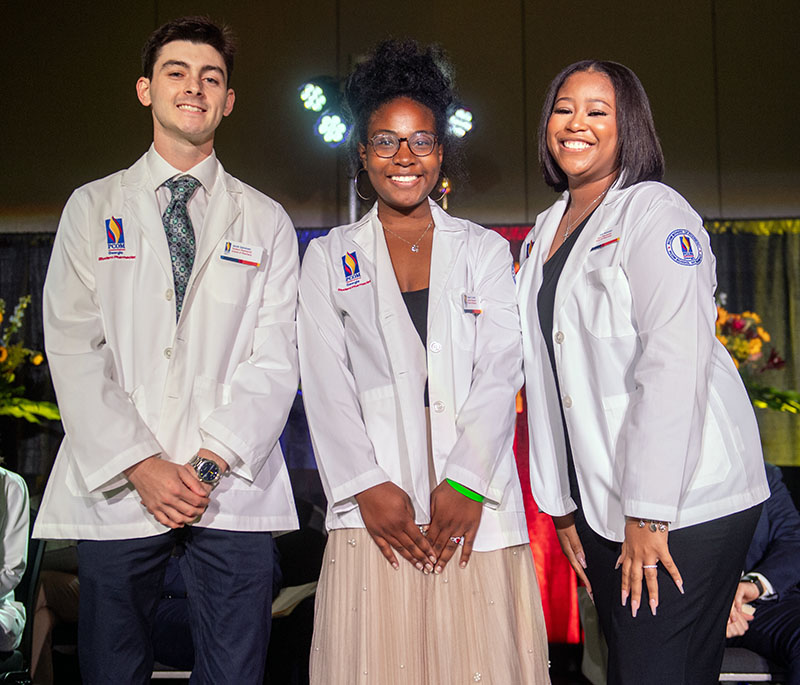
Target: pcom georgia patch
(683, 248)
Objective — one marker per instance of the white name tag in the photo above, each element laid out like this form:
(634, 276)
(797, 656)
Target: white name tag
(471, 304)
(242, 254)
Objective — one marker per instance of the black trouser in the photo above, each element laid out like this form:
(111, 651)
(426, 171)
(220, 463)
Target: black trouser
(684, 642)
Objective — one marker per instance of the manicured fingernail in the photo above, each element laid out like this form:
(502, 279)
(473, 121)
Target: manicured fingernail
(437, 570)
(395, 566)
(680, 587)
(653, 607)
(591, 596)
(432, 558)
(581, 560)
(463, 564)
(624, 597)
(617, 565)
(428, 568)
(634, 607)
(419, 566)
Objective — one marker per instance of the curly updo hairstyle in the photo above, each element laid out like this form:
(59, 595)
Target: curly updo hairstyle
(403, 68)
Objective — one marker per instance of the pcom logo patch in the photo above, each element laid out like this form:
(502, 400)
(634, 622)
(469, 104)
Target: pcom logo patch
(115, 236)
(683, 248)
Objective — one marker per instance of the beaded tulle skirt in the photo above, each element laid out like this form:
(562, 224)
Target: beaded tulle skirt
(378, 626)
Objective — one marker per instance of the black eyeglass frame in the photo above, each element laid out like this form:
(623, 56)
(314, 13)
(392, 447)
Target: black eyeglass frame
(407, 140)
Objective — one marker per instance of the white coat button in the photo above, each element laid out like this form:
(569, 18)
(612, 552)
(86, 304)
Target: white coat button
(567, 401)
(168, 352)
(435, 346)
(438, 406)
(559, 337)
(168, 294)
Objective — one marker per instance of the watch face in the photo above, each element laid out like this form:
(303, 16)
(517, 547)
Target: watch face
(208, 471)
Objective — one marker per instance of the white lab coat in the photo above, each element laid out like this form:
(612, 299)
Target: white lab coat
(14, 514)
(132, 383)
(659, 422)
(363, 371)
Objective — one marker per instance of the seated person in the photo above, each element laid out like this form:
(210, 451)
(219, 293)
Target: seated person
(14, 536)
(771, 584)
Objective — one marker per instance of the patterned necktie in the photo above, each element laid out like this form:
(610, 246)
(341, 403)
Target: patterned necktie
(180, 234)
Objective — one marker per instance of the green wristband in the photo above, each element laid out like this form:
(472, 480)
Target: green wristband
(465, 491)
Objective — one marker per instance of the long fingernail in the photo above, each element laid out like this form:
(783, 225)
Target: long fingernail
(419, 566)
(653, 607)
(634, 607)
(581, 560)
(680, 587)
(428, 568)
(624, 597)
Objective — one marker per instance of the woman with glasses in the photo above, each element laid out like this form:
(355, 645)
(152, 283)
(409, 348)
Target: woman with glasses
(644, 445)
(410, 357)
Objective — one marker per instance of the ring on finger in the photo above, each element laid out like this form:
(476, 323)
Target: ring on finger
(457, 539)
(650, 566)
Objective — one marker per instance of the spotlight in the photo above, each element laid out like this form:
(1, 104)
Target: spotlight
(460, 122)
(332, 129)
(313, 97)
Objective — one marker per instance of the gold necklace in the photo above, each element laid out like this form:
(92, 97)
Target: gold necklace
(414, 245)
(571, 224)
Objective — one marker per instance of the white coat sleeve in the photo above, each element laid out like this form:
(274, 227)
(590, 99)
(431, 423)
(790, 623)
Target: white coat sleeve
(263, 386)
(343, 450)
(485, 422)
(674, 315)
(14, 513)
(106, 432)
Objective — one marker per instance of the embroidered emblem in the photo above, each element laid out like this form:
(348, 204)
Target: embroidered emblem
(115, 236)
(352, 272)
(683, 248)
(610, 242)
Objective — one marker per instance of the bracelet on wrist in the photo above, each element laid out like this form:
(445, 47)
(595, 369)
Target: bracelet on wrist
(655, 526)
(465, 491)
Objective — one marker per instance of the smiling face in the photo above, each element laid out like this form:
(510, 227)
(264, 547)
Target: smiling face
(403, 181)
(188, 95)
(582, 128)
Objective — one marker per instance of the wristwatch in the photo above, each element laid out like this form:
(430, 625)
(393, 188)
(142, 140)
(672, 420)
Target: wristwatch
(755, 580)
(207, 470)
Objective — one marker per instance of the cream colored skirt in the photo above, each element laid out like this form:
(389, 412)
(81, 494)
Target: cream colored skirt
(375, 625)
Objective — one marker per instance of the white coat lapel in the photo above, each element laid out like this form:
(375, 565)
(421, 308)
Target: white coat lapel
(140, 207)
(447, 244)
(409, 365)
(577, 256)
(223, 209)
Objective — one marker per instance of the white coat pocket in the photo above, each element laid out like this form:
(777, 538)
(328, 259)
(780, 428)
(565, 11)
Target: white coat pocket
(607, 307)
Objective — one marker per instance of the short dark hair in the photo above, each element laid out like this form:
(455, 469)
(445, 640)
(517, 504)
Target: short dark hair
(195, 30)
(638, 149)
(403, 68)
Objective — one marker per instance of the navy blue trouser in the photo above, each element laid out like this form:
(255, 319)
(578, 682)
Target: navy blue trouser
(684, 642)
(228, 579)
(774, 632)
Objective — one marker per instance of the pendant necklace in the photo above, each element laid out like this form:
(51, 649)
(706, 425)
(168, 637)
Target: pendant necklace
(571, 224)
(414, 245)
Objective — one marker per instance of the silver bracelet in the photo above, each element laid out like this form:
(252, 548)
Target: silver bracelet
(655, 526)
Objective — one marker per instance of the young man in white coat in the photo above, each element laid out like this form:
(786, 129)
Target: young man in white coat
(169, 312)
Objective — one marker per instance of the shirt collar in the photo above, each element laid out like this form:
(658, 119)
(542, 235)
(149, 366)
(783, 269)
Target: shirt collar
(161, 170)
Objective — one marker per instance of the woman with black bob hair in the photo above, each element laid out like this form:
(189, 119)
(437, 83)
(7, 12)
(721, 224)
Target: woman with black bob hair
(410, 355)
(643, 444)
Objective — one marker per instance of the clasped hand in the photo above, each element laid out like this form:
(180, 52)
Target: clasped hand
(171, 492)
(388, 515)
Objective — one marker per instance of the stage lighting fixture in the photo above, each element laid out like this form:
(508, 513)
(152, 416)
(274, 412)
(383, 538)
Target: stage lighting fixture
(460, 122)
(313, 97)
(332, 129)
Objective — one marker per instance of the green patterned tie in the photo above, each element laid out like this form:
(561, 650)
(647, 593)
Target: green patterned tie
(180, 234)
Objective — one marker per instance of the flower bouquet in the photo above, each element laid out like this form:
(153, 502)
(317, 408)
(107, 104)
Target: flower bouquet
(14, 355)
(744, 338)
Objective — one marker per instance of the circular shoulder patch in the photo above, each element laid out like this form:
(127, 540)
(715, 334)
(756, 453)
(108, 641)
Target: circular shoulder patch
(684, 248)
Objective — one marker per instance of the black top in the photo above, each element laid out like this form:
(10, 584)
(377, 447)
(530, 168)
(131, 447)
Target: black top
(545, 301)
(416, 302)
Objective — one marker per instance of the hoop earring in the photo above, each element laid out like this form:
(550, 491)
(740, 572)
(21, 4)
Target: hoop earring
(355, 185)
(445, 186)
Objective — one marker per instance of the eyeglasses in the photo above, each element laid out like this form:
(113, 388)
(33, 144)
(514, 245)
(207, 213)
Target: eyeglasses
(386, 145)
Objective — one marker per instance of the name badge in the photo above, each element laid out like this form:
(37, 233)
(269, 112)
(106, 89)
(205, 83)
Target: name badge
(242, 254)
(471, 305)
